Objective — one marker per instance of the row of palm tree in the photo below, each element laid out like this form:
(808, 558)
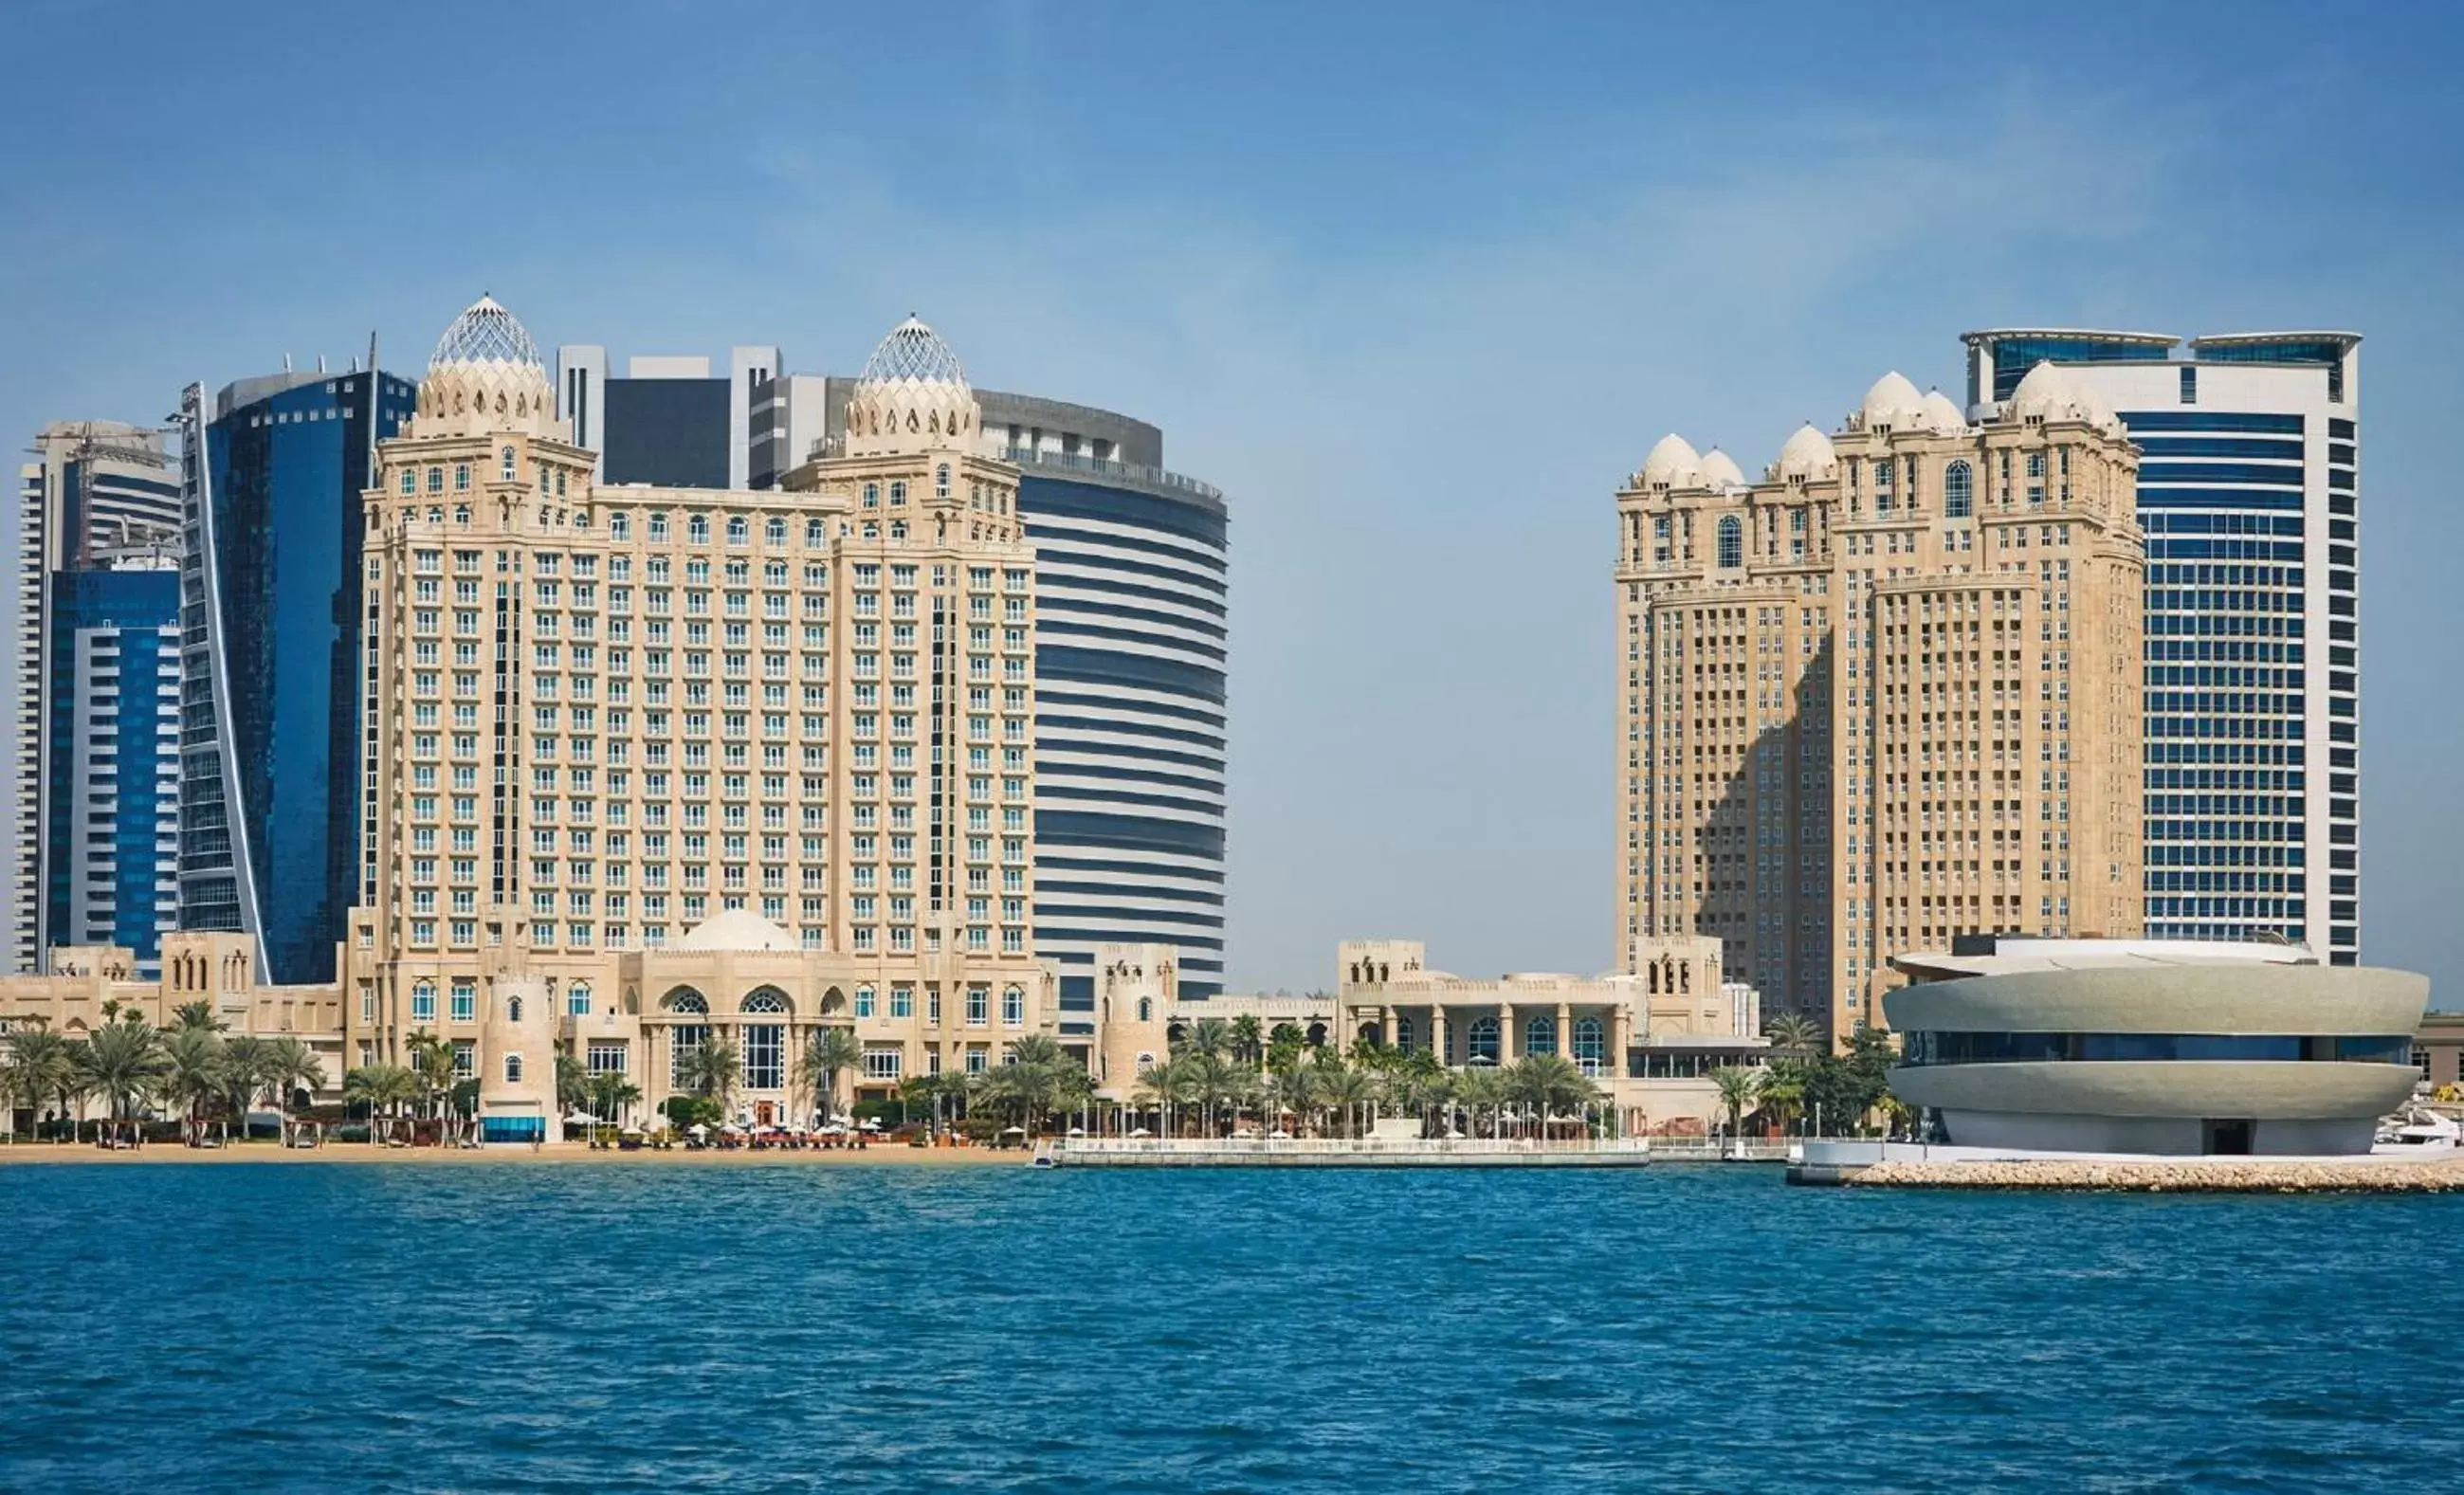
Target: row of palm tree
(1208, 1087)
(132, 1065)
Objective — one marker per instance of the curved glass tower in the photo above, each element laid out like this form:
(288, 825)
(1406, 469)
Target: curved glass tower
(1133, 645)
(268, 698)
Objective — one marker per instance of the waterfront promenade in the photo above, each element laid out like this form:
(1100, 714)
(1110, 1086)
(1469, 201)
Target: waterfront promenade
(1342, 1152)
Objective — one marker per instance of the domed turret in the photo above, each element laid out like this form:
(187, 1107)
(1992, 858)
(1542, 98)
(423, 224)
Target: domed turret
(911, 396)
(2049, 394)
(1672, 464)
(1806, 456)
(1893, 402)
(1719, 470)
(1939, 415)
(485, 377)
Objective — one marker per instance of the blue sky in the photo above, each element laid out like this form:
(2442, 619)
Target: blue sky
(1416, 285)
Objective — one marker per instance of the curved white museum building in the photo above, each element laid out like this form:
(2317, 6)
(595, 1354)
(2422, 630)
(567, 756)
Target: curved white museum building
(2152, 1046)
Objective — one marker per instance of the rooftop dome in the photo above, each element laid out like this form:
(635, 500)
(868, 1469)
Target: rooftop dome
(737, 929)
(913, 352)
(2049, 394)
(1939, 413)
(1806, 455)
(912, 394)
(485, 333)
(1719, 470)
(1673, 462)
(1893, 401)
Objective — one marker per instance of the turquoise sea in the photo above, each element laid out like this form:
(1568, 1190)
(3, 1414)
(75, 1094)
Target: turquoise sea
(800, 1328)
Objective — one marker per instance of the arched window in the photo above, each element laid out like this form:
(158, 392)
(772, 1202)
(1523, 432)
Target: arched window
(1013, 1006)
(775, 531)
(898, 529)
(436, 479)
(872, 496)
(505, 472)
(1590, 1045)
(577, 998)
(765, 1000)
(462, 514)
(697, 530)
(738, 531)
(815, 534)
(1403, 1034)
(1146, 1009)
(1732, 541)
(409, 481)
(658, 526)
(1479, 1042)
(621, 527)
(1958, 492)
(941, 482)
(1540, 1036)
(461, 477)
(512, 1068)
(897, 492)
(512, 1009)
(684, 998)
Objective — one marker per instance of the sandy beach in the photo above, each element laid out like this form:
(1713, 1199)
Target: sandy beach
(36, 1154)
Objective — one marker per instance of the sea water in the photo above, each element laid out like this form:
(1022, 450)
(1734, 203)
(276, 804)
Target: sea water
(674, 1327)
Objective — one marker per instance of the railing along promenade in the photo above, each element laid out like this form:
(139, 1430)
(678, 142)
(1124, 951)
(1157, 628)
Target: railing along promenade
(1341, 1152)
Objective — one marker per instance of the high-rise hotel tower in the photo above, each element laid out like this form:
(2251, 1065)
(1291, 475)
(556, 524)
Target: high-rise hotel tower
(2250, 493)
(1885, 697)
(785, 734)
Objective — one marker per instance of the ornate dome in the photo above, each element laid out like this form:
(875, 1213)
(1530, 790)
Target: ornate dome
(1892, 401)
(485, 377)
(1807, 455)
(913, 394)
(737, 929)
(2049, 394)
(1941, 415)
(485, 333)
(1672, 462)
(1719, 470)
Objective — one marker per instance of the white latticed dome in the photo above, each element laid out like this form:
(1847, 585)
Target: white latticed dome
(913, 394)
(1941, 415)
(1893, 402)
(485, 377)
(1807, 455)
(485, 334)
(2048, 394)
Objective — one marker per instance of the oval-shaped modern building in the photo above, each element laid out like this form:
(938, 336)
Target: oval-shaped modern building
(2153, 1046)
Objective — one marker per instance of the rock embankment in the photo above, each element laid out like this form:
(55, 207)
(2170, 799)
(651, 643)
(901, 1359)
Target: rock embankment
(2189, 1176)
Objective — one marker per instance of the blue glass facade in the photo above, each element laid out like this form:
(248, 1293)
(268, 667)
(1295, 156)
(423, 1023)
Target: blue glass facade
(1132, 647)
(110, 775)
(269, 710)
(2248, 494)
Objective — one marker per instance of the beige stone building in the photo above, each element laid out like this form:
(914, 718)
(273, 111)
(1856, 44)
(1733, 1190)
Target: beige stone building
(1885, 695)
(602, 716)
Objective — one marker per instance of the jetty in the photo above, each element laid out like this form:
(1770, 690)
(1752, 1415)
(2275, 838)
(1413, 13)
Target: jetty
(1909, 1165)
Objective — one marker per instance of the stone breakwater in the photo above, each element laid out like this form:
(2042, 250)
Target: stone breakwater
(2200, 1176)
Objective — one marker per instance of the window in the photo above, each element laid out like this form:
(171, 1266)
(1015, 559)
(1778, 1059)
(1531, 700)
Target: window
(738, 531)
(941, 482)
(506, 471)
(881, 1064)
(423, 1003)
(1479, 1042)
(814, 533)
(1732, 542)
(1589, 1046)
(697, 530)
(512, 1068)
(577, 998)
(465, 1000)
(1540, 1036)
(1013, 1006)
(978, 1004)
(765, 1055)
(1958, 492)
(2190, 385)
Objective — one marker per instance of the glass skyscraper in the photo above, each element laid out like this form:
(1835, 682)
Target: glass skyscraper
(111, 755)
(270, 698)
(2249, 495)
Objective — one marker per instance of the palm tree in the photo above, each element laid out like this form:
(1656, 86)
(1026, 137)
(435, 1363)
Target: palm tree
(1793, 1033)
(1296, 1091)
(197, 1015)
(194, 1061)
(572, 1082)
(41, 1065)
(292, 1066)
(713, 1068)
(1160, 1086)
(245, 1072)
(383, 1088)
(124, 1060)
(1249, 1040)
(1209, 1039)
(1738, 1088)
(432, 1075)
(1349, 1089)
(1550, 1084)
(826, 1053)
(609, 1094)
(1783, 1090)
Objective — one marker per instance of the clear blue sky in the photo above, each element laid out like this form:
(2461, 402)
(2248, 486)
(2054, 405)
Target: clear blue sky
(1416, 285)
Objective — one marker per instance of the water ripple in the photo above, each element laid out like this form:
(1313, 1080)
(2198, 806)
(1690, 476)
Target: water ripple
(610, 1329)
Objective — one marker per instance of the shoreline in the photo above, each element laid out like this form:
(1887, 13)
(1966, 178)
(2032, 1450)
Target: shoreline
(560, 1154)
(2366, 1175)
